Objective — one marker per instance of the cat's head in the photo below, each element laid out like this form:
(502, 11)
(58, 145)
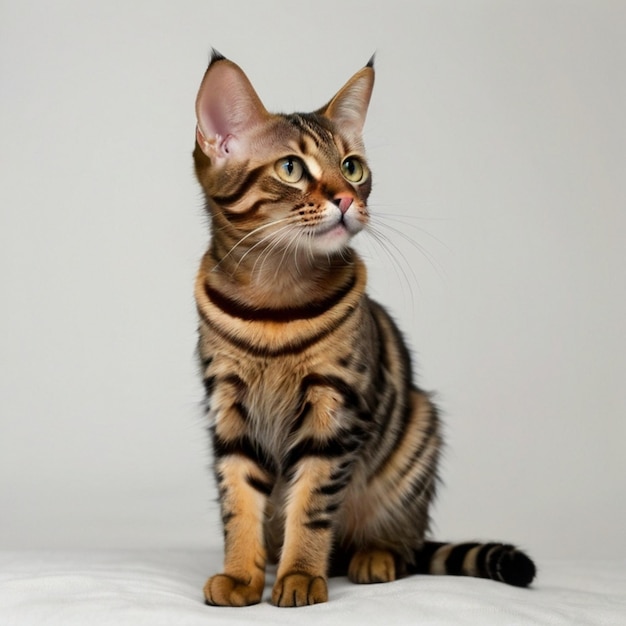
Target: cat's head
(296, 181)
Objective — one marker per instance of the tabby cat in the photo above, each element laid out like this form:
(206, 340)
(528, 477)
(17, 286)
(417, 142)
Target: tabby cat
(325, 450)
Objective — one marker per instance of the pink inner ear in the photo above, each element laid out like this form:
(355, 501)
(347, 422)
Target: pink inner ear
(227, 108)
(227, 144)
(214, 113)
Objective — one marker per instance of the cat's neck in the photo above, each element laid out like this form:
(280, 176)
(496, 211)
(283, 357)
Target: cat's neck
(280, 281)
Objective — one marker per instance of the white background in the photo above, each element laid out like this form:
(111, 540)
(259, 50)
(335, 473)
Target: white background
(497, 139)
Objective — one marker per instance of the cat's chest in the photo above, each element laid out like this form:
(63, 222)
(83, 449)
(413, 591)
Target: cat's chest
(268, 399)
(272, 389)
(267, 391)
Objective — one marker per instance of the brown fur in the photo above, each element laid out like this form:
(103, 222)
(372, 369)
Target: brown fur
(325, 451)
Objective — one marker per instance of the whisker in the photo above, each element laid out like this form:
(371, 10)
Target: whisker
(263, 239)
(250, 234)
(265, 254)
(280, 236)
(309, 237)
(402, 220)
(439, 270)
(292, 242)
(296, 246)
(383, 241)
(383, 206)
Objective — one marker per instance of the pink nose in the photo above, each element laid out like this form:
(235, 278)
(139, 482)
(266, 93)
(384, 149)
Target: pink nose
(343, 202)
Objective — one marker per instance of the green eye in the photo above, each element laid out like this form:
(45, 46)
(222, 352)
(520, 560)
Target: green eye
(290, 169)
(354, 170)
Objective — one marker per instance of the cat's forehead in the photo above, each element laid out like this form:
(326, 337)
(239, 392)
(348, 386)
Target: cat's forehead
(312, 134)
(312, 130)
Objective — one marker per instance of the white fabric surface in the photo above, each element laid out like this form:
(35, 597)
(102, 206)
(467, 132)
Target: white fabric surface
(163, 588)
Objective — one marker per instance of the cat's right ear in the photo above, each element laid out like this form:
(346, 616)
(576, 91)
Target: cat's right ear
(227, 108)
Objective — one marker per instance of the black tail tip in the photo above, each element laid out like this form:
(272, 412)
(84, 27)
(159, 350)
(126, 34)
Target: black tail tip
(516, 568)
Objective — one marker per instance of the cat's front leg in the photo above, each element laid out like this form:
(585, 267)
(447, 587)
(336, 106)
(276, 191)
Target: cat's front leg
(318, 469)
(244, 485)
(302, 570)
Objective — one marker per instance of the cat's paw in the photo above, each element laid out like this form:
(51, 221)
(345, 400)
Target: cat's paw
(299, 589)
(372, 566)
(225, 590)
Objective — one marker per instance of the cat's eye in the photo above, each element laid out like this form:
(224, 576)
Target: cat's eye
(290, 169)
(354, 170)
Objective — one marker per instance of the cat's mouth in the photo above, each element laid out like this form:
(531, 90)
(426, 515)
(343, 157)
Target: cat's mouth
(342, 227)
(333, 237)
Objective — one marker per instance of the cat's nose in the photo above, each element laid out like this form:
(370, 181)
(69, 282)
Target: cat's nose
(343, 201)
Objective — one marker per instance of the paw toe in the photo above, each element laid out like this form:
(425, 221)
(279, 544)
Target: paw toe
(299, 589)
(225, 590)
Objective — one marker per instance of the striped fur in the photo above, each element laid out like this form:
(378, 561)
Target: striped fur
(326, 451)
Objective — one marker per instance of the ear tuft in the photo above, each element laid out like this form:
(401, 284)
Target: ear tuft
(217, 56)
(227, 109)
(370, 63)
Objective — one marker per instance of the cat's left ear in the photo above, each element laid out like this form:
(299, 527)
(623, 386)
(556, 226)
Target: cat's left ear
(348, 108)
(227, 109)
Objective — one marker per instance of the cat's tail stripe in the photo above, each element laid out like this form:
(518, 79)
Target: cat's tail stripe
(497, 561)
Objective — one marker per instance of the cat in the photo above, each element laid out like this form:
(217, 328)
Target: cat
(325, 450)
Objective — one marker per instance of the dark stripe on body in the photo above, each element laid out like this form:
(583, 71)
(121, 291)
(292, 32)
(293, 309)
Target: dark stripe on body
(319, 524)
(260, 485)
(333, 488)
(417, 454)
(287, 314)
(424, 484)
(383, 412)
(209, 385)
(235, 381)
(226, 518)
(351, 398)
(346, 442)
(242, 411)
(289, 348)
(301, 417)
(339, 480)
(243, 446)
(405, 419)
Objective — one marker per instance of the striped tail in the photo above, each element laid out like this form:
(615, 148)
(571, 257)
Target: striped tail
(497, 561)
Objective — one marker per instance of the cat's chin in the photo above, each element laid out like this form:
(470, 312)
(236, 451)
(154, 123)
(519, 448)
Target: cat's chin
(331, 239)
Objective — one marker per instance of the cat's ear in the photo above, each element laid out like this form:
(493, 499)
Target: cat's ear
(227, 108)
(348, 108)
